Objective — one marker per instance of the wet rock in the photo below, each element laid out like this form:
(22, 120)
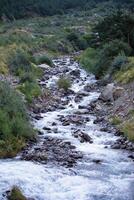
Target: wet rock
(37, 156)
(104, 129)
(55, 151)
(55, 130)
(87, 88)
(82, 94)
(40, 133)
(97, 161)
(78, 98)
(98, 120)
(38, 117)
(115, 146)
(36, 111)
(66, 123)
(131, 156)
(54, 124)
(75, 73)
(46, 128)
(82, 112)
(82, 107)
(86, 138)
(83, 137)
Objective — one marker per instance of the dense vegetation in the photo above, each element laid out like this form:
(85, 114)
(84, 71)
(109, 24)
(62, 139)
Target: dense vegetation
(112, 43)
(15, 128)
(13, 9)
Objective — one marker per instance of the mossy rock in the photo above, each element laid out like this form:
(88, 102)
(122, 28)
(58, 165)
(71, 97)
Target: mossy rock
(16, 194)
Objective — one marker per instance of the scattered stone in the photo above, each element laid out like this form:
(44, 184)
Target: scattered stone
(38, 117)
(97, 161)
(55, 151)
(46, 128)
(54, 124)
(40, 133)
(75, 73)
(83, 137)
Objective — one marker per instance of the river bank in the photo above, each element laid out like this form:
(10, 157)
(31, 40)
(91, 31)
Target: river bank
(57, 99)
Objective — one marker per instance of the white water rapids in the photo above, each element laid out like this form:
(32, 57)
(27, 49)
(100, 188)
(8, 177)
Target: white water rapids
(113, 179)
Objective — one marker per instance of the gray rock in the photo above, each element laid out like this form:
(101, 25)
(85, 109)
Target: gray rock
(111, 92)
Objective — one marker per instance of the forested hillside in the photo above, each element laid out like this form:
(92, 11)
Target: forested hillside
(13, 9)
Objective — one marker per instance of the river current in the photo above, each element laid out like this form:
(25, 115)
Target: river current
(113, 179)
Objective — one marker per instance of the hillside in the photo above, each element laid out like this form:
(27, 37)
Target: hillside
(13, 9)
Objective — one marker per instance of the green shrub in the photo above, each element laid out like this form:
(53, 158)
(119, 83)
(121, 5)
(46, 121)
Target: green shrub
(88, 59)
(10, 147)
(81, 43)
(115, 120)
(43, 59)
(27, 77)
(131, 113)
(126, 75)
(72, 36)
(128, 129)
(31, 90)
(13, 116)
(78, 41)
(64, 83)
(107, 54)
(16, 194)
(15, 127)
(19, 62)
(119, 62)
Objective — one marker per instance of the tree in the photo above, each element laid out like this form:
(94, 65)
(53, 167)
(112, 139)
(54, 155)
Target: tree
(119, 25)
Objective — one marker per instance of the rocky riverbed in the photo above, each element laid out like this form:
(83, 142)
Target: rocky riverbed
(77, 153)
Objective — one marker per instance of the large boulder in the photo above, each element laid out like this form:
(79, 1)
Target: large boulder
(111, 92)
(118, 91)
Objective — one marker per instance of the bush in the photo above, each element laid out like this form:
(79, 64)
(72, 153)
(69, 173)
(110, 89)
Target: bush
(16, 194)
(88, 60)
(128, 129)
(19, 62)
(14, 123)
(115, 120)
(43, 59)
(101, 61)
(64, 83)
(10, 147)
(72, 37)
(78, 41)
(107, 54)
(30, 89)
(126, 74)
(27, 77)
(119, 62)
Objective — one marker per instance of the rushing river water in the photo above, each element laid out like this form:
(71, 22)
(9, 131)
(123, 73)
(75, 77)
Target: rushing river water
(113, 179)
